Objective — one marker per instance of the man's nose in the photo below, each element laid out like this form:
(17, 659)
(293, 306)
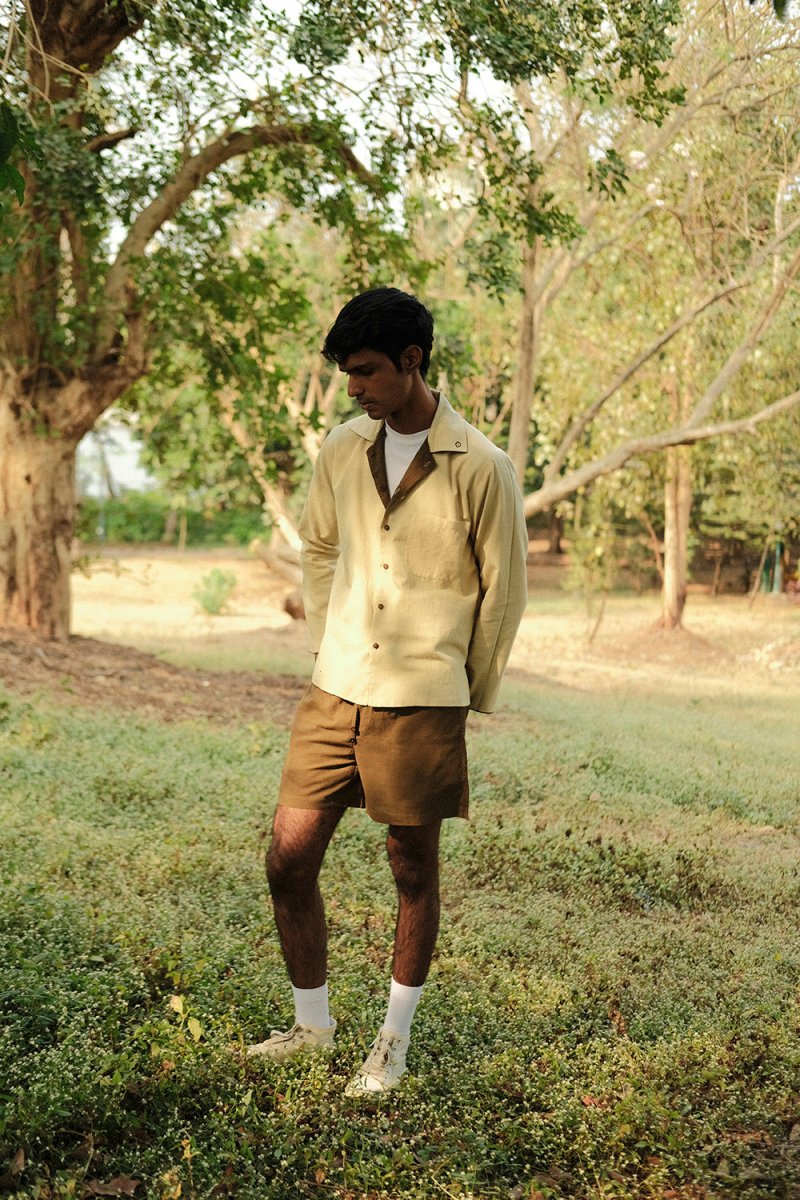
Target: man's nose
(354, 386)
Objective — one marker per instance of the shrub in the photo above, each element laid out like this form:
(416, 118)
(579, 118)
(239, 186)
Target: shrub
(214, 591)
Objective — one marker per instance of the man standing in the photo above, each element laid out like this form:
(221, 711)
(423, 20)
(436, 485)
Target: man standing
(414, 549)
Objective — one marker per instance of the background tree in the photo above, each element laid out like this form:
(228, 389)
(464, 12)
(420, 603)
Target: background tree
(145, 118)
(683, 257)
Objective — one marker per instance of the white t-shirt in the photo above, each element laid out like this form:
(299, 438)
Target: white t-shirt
(400, 449)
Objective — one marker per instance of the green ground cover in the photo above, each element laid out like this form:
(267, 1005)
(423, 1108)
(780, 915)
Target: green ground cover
(613, 1011)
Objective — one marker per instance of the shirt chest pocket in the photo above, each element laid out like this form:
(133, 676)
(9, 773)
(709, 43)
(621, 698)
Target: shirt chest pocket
(436, 548)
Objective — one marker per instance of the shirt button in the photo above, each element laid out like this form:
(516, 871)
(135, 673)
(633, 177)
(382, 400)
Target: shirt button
(386, 527)
(380, 606)
(376, 646)
(386, 566)
(458, 443)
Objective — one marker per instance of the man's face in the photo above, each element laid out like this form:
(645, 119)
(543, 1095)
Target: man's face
(375, 382)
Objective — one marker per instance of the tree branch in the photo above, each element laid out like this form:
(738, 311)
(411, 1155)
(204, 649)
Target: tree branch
(273, 497)
(81, 36)
(686, 435)
(758, 328)
(310, 438)
(191, 174)
(328, 405)
(581, 422)
(655, 543)
(104, 141)
(79, 259)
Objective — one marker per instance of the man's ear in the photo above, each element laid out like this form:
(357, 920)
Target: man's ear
(411, 358)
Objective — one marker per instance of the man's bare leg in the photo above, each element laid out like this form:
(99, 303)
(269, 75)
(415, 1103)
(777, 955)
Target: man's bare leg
(414, 858)
(300, 838)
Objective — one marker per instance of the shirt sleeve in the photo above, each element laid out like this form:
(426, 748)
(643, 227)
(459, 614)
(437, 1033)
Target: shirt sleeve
(500, 543)
(319, 531)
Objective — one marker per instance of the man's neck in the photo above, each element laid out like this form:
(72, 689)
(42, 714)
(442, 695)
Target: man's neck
(418, 414)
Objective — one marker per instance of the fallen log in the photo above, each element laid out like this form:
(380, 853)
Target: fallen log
(283, 560)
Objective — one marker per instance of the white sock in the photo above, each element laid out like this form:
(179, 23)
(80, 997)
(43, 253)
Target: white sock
(311, 1006)
(403, 1001)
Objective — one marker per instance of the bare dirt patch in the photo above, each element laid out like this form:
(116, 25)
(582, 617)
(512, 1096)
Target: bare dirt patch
(87, 672)
(677, 648)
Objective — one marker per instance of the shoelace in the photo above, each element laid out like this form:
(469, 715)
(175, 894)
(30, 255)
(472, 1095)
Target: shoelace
(284, 1036)
(386, 1058)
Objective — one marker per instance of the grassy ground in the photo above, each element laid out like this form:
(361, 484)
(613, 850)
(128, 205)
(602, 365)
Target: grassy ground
(614, 1010)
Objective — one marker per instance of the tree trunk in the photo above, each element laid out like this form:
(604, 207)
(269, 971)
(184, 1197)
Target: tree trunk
(520, 428)
(170, 527)
(555, 532)
(677, 507)
(37, 518)
(279, 556)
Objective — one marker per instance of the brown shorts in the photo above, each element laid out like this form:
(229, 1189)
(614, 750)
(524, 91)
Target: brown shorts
(406, 766)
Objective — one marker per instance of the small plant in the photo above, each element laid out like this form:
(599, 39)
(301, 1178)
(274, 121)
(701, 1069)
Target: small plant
(214, 591)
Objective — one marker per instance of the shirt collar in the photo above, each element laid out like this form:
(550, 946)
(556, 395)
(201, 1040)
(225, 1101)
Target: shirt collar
(448, 431)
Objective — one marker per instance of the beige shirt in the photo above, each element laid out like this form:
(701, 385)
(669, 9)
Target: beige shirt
(413, 599)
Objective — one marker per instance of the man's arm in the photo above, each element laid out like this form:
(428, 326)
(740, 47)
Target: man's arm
(500, 542)
(319, 531)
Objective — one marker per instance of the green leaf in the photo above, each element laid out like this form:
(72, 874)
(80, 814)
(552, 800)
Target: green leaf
(9, 128)
(10, 178)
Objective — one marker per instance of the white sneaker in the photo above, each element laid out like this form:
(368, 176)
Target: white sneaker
(300, 1039)
(383, 1067)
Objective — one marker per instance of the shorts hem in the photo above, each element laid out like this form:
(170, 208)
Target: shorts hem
(380, 818)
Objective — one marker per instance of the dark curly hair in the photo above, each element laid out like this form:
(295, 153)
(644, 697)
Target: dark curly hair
(384, 319)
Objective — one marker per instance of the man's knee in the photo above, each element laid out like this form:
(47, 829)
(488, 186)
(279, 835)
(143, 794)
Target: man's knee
(290, 870)
(414, 862)
(299, 841)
